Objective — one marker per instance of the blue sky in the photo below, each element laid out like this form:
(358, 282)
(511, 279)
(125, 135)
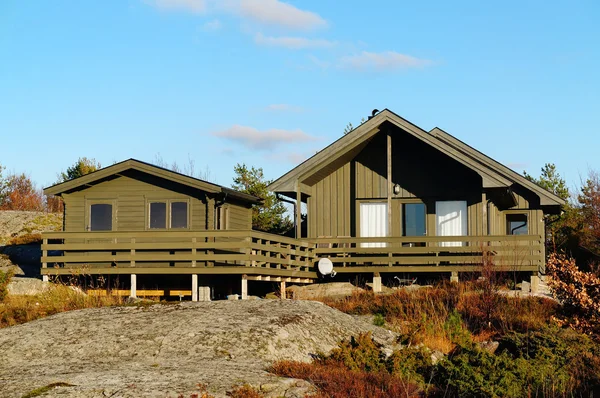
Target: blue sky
(269, 83)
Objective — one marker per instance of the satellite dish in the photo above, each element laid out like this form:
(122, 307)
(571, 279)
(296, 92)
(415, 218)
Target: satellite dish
(326, 267)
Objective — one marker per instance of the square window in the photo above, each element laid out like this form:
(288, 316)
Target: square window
(158, 215)
(101, 217)
(516, 224)
(179, 215)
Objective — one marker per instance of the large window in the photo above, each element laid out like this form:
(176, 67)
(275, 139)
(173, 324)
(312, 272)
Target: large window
(166, 214)
(373, 223)
(100, 217)
(516, 224)
(413, 219)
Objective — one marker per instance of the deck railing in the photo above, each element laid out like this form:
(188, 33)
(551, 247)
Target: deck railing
(177, 250)
(516, 251)
(186, 252)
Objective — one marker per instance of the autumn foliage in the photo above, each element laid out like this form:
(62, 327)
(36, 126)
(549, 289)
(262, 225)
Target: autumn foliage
(19, 193)
(578, 291)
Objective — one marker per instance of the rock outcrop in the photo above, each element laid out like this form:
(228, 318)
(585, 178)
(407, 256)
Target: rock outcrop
(166, 350)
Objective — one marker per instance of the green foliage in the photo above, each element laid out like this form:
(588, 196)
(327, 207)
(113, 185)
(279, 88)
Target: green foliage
(412, 364)
(4, 281)
(360, 353)
(378, 320)
(268, 216)
(551, 180)
(80, 168)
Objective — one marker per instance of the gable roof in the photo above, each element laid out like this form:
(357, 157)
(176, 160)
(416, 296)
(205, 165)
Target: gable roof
(493, 174)
(147, 168)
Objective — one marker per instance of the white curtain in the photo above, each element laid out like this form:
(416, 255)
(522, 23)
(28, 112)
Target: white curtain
(373, 222)
(451, 220)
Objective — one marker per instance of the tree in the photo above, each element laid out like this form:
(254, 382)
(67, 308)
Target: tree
(349, 127)
(589, 202)
(560, 228)
(80, 168)
(551, 180)
(268, 216)
(21, 194)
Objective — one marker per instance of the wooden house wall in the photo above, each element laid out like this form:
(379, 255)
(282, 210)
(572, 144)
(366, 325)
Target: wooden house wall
(130, 196)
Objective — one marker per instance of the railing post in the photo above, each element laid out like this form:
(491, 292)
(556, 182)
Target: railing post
(132, 253)
(44, 255)
(248, 250)
(194, 253)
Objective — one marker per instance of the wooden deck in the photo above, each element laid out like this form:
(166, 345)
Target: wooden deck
(260, 255)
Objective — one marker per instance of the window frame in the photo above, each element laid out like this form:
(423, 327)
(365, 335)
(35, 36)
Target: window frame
(168, 214)
(88, 213)
(524, 213)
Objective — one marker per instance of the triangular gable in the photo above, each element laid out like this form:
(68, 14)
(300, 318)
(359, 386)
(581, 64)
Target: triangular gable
(147, 168)
(547, 198)
(493, 174)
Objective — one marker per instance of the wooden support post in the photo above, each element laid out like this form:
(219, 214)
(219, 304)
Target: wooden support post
(454, 276)
(45, 278)
(390, 187)
(244, 287)
(194, 287)
(298, 212)
(376, 282)
(535, 282)
(133, 289)
(282, 290)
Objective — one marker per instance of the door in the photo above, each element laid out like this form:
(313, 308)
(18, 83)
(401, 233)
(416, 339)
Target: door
(373, 223)
(451, 220)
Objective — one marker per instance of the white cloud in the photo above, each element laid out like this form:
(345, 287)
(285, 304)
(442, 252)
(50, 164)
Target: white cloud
(275, 12)
(292, 43)
(253, 138)
(212, 26)
(195, 6)
(263, 12)
(388, 60)
(284, 108)
(318, 62)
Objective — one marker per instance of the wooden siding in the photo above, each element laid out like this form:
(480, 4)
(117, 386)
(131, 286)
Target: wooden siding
(131, 197)
(240, 217)
(329, 206)
(422, 174)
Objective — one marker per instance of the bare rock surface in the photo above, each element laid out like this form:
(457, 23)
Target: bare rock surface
(166, 350)
(318, 290)
(27, 286)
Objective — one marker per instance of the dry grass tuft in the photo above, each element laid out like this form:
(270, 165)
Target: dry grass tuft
(20, 309)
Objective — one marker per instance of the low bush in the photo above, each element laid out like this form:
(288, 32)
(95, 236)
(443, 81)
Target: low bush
(340, 382)
(578, 291)
(27, 239)
(20, 309)
(4, 281)
(245, 391)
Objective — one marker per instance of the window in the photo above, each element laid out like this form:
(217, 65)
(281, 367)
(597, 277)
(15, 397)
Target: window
(373, 223)
(516, 224)
(451, 220)
(100, 217)
(158, 215)
(413, 219)
(179, 215)
(168, 214)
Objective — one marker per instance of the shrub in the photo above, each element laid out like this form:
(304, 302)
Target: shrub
(340, 382)
(4, 281)
(26, 239)
(245, 391)
(378, 320)
(360, 353)
(412, 364)
(578, 291)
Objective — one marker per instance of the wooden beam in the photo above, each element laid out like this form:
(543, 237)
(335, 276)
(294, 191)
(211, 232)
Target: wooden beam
(484, 204)
(298, 213)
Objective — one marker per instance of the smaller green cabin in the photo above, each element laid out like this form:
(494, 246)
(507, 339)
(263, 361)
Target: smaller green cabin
(137, 196)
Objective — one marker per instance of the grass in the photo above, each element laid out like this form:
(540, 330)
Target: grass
(15, 310)
(441, 316)
(42, 390)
